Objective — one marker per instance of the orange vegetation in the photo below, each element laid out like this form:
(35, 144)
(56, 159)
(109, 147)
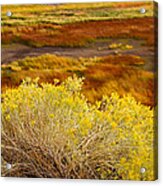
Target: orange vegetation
(103, 79)
(79, 34)
(114, 73)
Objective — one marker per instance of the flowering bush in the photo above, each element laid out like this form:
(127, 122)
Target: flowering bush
(53, 131)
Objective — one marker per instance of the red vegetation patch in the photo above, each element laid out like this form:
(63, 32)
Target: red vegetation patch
(78, 34)
(123, 60)
(14, 79)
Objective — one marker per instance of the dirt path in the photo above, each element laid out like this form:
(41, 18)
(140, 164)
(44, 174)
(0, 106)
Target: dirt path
(98, 48)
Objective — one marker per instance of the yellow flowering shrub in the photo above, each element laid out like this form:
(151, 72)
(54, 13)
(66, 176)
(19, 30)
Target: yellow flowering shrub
(53, 131)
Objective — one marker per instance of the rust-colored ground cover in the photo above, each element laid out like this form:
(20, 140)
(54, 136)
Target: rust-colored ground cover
(113, 73)
(79, 34)
(103, 79)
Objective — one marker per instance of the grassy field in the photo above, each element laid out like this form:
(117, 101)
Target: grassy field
(104, 75)
(56, 25)
(79, 90)
(71, 13)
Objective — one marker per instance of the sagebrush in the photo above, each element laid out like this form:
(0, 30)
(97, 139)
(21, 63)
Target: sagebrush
(53, 131)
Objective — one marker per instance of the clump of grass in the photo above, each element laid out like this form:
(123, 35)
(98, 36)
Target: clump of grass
(120, 46)
(52, 131)
(122, 59)
(50, 62)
